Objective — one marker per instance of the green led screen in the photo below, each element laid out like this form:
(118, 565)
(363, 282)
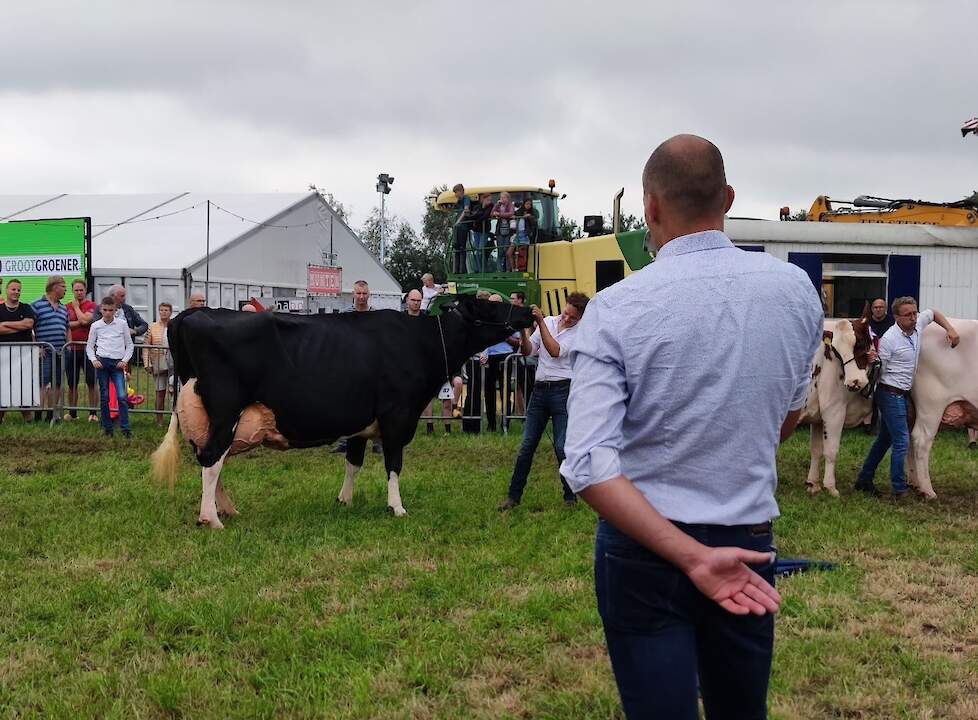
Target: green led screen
(33, 250)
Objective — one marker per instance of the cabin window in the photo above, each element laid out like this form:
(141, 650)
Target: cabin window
(849, 280)
(608, 272)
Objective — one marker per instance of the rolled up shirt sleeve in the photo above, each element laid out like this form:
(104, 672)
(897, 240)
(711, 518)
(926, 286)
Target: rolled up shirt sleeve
(596, 405)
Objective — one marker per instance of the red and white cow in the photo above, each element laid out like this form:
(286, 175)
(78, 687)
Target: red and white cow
(835, 400)
(945, 394)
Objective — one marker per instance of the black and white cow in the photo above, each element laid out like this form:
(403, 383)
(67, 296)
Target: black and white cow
(291, 381)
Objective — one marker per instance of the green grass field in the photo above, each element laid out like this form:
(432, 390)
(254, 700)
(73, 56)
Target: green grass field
(115, 605)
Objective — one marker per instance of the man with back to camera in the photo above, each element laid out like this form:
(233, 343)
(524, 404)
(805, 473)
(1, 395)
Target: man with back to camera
(684, 554)
(899, 351)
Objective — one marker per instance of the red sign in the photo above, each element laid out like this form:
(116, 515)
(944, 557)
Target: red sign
(324, 280)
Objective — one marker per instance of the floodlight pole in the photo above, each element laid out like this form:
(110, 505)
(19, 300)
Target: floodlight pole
(207, 274)
(383, 239)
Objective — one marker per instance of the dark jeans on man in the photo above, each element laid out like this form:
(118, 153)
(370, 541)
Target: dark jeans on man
(494, 381)
(110, 372)
(459, 247)
(668, 642)
(893, 432)
(548, 402)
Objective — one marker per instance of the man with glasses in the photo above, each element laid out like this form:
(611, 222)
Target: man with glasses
(899, 351)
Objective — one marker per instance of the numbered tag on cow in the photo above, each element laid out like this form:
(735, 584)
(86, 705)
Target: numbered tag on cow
(445, 393)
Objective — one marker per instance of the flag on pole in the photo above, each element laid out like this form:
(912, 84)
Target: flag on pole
(970, 127)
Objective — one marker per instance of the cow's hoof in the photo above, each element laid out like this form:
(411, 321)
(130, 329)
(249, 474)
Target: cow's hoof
(227, 513)
(928, 496)
(398, 511)
(813, 489)
(344, 501)
(832, 491)
(973, 446)
(214, 524)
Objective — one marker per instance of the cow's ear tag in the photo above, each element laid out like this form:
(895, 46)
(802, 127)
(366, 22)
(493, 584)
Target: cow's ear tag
(445, 393)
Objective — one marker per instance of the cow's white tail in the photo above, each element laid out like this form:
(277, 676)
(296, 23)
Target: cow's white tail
(165, 460)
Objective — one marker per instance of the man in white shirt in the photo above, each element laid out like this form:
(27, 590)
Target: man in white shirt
(551, 342)
(429, 291)
(899, 351)
(109, 348)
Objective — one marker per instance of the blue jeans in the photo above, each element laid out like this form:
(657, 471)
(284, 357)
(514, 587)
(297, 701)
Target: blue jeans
(893, 432)
(110, 372)
(548, 402)
(668, 642)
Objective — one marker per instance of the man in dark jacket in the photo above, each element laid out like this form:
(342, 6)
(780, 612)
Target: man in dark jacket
(137, 326)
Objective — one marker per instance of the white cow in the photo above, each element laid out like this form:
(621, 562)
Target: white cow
(834, 398)
(945, 394)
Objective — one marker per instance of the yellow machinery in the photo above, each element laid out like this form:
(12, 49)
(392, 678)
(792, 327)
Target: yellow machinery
(868, 209)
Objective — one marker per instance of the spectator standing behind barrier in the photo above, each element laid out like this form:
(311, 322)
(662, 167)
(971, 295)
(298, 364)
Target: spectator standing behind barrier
(16, 325)
(159, 363)
(495, 356)
(82, 312)
(137, 326)
(552, 342)
(682, 615)
(361, 303)
(197, 299)
(879, 321)
(526, 366)
(472, 376)
(505, 214)
(51, 326)
(463, 226)
(109, 348)
(429, 291)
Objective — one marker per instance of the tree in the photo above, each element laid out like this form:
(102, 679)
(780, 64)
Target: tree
(408, 256)
(628, 222)
(335, 205)
(567, 229)
(437, 233)
(972, 198)
(799, 215)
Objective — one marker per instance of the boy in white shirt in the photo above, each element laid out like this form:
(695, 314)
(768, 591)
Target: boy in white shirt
(110, 348)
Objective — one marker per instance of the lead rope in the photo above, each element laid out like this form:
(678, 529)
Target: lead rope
(444, 352)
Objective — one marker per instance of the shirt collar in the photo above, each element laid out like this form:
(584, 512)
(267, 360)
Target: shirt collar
(695, 242)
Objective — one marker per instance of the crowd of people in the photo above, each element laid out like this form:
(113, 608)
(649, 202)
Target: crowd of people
(492, 236)
(99, 341)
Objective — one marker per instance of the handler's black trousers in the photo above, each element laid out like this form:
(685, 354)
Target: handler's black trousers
(666, 639)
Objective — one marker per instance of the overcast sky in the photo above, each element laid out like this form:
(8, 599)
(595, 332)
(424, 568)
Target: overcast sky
(803, 99)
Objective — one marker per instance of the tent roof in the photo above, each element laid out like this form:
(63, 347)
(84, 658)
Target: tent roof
(162, 231)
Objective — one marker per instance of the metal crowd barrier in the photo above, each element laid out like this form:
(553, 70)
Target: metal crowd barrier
(513, 385)
(21, 390)
(20, 375)
(470, 370)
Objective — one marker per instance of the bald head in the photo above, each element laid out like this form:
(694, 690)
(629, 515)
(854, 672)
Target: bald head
(686, 174)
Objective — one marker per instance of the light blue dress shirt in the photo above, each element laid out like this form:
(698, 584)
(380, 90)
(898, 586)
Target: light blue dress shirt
(683, 375)
(900, 352)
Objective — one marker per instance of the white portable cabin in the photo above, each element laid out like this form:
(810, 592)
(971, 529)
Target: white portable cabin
(259, 245)
(853, 262)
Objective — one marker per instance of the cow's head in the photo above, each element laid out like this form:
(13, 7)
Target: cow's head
(848, 342)
(488, 314)
(484, 322)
